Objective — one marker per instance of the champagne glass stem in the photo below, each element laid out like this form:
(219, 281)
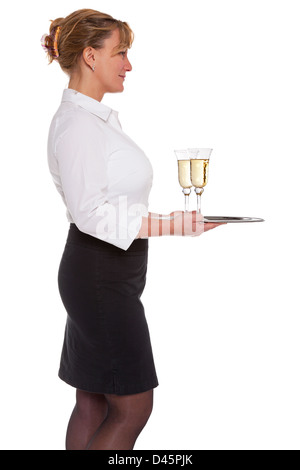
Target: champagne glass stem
(186, 202)
(199, 192)
(199, 203)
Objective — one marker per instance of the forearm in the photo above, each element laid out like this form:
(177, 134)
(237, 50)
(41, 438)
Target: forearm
(156, 225)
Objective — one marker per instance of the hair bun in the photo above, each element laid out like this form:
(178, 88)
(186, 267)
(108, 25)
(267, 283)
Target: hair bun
(50, 42)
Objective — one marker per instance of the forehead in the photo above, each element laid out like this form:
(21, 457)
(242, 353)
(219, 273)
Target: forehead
(113, 41)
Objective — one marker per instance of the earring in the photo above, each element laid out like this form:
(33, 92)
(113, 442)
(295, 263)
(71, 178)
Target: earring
(93, 68)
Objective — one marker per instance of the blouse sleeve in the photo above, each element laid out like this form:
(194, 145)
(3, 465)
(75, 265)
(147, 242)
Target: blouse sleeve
(82, 154)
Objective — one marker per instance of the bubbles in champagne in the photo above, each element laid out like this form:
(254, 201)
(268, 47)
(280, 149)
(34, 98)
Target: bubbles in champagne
(184, 173)
(199, 172)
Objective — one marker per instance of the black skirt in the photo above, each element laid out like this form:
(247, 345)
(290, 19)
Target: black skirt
(107, 347)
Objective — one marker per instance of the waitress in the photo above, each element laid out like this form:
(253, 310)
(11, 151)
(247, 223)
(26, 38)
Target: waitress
(104, 180)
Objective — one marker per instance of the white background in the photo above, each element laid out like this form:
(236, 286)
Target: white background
(223, 309)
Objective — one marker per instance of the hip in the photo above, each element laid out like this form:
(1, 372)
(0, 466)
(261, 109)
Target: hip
(88, 261)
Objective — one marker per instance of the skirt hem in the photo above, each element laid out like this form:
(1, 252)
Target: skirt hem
(98, 388)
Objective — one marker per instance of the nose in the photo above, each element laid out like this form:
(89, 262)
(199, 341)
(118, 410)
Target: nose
(128, 66)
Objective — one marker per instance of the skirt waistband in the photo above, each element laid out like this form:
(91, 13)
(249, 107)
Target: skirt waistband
(75, 236)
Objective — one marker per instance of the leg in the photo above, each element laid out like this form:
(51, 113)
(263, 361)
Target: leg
(89, 412)
(127, 416)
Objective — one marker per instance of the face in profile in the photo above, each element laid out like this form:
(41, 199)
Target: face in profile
(111, 68)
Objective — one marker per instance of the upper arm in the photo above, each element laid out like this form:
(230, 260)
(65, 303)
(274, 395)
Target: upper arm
(82, 161)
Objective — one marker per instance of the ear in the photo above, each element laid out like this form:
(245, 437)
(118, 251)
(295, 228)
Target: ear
(88, 56)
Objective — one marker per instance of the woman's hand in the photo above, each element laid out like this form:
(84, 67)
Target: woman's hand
(177, 223)
(210, 225)
(189, 224)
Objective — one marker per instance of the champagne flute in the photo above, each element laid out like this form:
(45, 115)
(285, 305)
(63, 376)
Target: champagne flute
(184, 175)
(199, 170)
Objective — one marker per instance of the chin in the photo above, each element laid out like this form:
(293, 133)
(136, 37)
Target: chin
(117, 90)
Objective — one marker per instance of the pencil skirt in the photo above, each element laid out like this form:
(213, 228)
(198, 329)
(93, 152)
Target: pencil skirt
(106, 347)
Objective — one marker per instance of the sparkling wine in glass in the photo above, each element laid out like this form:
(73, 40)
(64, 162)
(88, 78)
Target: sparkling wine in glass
(184, 175)
(199, 170)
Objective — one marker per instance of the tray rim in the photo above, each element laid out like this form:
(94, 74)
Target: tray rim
(217, 219)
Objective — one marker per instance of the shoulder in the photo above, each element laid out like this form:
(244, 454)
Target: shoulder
(73, 125)
(72, 118)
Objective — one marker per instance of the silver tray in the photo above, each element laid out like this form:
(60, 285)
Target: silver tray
(225, 220)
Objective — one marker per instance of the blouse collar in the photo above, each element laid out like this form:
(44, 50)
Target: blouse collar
(86, 102)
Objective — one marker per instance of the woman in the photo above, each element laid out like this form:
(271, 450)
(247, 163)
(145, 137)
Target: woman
(104, 179)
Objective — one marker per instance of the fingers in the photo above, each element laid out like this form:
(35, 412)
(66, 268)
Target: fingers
(197, 216)
(190, 224)
(210, 226)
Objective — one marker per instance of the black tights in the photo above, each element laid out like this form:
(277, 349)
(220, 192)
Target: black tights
(107, 422)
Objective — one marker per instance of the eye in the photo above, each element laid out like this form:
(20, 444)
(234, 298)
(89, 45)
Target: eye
(123, 53)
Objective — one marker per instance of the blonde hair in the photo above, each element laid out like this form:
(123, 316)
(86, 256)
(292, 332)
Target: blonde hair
(69, 36)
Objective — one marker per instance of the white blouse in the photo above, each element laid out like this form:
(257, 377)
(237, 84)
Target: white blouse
(103, 177)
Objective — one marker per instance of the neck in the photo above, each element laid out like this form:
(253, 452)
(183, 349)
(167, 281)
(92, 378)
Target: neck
(86, 87)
